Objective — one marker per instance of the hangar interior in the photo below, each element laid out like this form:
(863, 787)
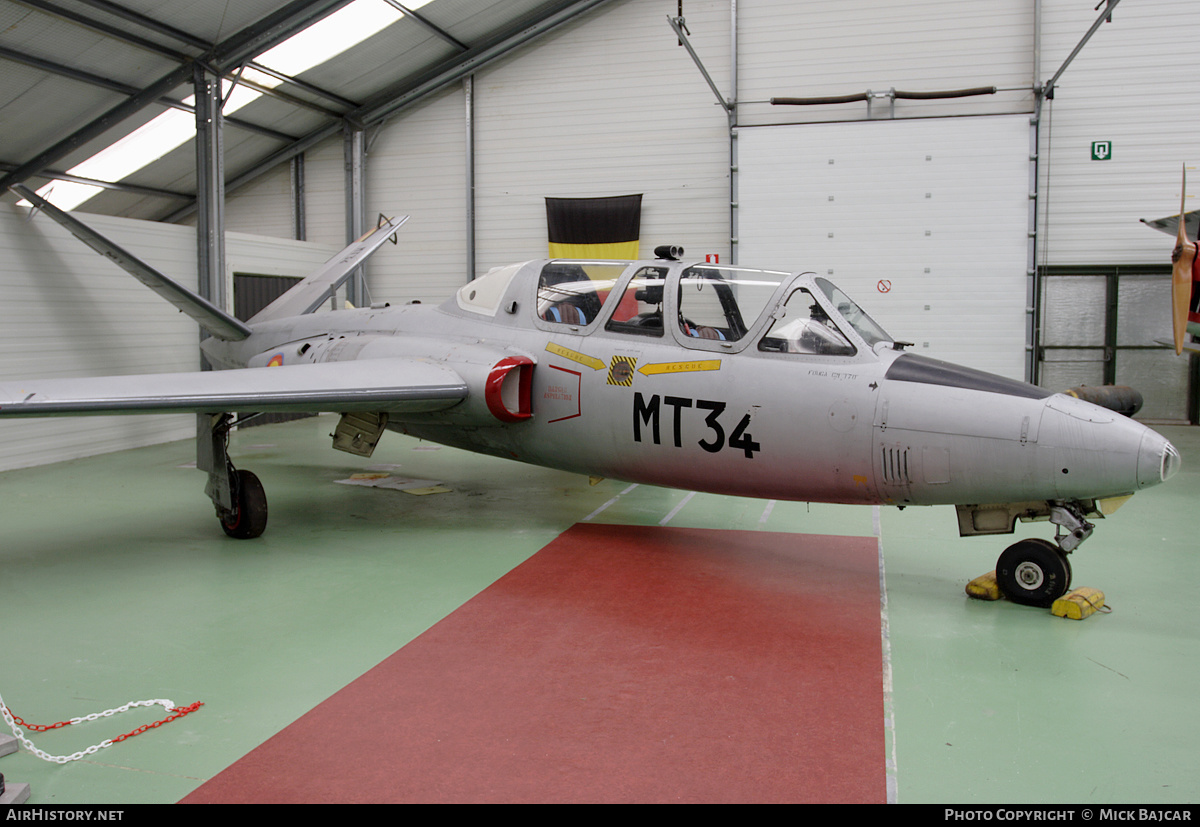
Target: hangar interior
(975, 174)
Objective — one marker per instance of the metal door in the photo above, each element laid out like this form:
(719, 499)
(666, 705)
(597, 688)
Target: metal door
(1112, 326)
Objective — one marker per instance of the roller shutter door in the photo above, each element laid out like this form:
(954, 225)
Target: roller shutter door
(924, 222)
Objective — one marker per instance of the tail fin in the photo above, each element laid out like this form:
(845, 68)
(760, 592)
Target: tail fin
(212, 318)
(308, 295)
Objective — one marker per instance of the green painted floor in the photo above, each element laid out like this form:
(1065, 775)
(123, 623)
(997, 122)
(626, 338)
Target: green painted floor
(117, 585)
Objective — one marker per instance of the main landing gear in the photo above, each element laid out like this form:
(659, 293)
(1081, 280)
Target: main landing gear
(248, 518)
(1037, 572)
(238, 496)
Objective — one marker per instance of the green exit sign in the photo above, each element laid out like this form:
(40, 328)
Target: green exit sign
(1101, 150)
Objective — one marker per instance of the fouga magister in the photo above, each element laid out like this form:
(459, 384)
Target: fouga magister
(729, 380)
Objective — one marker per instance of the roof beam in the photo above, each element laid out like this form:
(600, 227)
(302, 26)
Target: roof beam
(270, 30)
(136, 189)
(253, 40)
(196, 42)
(472, 60)
(107, 29)
(430, 27)
(98, 127)
(300, 84)
(438, 78)
(126, 89)
(283, 155)
(148, 23)
(125, 36)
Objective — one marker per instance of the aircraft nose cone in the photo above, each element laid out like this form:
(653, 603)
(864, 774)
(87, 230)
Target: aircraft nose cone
(1158, 460)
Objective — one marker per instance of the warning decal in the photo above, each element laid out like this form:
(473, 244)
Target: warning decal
(620, 371)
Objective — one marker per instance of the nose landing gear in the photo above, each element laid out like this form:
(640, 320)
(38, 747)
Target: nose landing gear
(1033, 573)
(1037, 572)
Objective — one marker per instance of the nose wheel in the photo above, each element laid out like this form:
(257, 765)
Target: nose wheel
(1033, 572)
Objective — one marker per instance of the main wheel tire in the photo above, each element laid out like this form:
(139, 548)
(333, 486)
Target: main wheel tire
(250, 518)
(1033, 573)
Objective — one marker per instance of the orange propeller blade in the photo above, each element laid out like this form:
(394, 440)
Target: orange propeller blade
(1181, 274)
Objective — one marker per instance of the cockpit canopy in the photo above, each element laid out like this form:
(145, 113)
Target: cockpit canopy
(706, 306)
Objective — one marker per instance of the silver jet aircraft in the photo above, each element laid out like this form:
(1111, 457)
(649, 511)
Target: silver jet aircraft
(729, 380)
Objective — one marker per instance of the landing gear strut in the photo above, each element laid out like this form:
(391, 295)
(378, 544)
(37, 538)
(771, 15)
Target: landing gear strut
(1037, 572)
(237, 496)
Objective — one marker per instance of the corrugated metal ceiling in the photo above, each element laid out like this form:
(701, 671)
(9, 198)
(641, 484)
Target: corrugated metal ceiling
(66, 65)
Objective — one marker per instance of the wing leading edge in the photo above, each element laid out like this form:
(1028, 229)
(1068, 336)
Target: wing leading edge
(310, 293)
(303, 298)
(392, 385)
(212, 318)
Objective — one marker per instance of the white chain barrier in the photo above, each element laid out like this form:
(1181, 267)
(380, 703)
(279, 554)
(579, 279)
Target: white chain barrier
(19, 733)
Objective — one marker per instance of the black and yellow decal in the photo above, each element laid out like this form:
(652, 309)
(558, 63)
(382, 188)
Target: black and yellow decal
(620, 370)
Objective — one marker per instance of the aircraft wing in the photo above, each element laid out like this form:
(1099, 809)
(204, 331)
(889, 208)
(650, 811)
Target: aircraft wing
(390, 384)
(1187, 347)
(309, 294)
(212, 318)
(1170, 224)
(304, 297)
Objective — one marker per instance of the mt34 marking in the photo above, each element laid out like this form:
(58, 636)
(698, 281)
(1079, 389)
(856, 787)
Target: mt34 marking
(648, 413)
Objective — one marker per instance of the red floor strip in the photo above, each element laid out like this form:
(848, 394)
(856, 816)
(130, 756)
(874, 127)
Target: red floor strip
(618, 664)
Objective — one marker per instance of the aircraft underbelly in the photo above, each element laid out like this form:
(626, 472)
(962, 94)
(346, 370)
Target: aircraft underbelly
(819, 475)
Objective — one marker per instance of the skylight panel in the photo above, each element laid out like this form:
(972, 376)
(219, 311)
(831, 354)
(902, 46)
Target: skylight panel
(323, 40)
(331, 36)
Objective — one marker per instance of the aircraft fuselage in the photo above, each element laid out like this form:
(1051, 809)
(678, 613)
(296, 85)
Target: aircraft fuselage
(755, 404)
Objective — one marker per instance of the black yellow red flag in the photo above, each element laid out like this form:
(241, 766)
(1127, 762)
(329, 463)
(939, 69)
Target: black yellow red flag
(595, 228)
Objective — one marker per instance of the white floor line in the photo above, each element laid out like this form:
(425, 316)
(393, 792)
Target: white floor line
(766, 515)
(610, 502)
(677, 508)
(889, 719)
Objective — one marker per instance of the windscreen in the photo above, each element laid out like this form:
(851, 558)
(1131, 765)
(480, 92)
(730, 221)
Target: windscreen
(857, 318)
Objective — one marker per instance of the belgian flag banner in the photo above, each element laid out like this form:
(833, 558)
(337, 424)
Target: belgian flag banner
(595, 228)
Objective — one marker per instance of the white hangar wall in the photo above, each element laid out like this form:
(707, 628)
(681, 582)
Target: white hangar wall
(892, 212)
(824, 48)
(608, 105)
(1134, 85)
(70, 312)
(611, 104)
(889, 197)
(417, 167)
